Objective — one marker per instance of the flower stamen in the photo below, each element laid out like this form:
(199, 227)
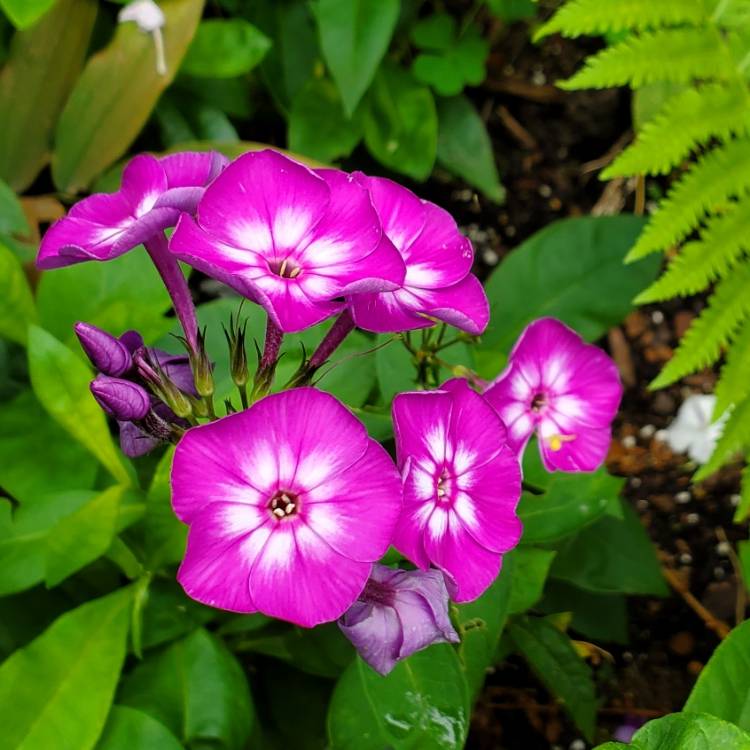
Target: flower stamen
(284, 504)
(556, 441)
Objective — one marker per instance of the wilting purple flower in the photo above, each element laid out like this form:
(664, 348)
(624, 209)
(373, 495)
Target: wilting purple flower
(122, 399)
(289, 238)
(288, 503)
(461, 486)
(562, 388)
(438, 258)
(109, 355)
(153, 194)
(399, 612)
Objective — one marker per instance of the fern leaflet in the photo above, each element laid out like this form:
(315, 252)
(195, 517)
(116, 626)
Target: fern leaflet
(701, 345)
(722, 174)
(701, 262)
(594, 17)
(743, 509)
(735, 438)
(690, 119)
(676, 55)
(734, 383)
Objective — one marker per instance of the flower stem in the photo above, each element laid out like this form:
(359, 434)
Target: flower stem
(171, 274)
(268, 360)
(343, 326)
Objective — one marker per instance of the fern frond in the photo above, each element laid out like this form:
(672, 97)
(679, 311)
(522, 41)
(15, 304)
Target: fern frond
(687, 121)
(699, 263)
(701, 346)
(743, 509)
(735, 438)
(722, 174)
(594, 17)
(734, 383)
(675, 55)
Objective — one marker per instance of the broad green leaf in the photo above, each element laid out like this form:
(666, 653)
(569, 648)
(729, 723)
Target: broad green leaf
(83, 536)
(12, 217)
(723, 686)
(570, 502)
(530, 568)
(225, 49)
(555, 662)
(61, 685)
(318, 126)
(400, 123)
(394, 368)
(571, 270)
(130, 729)
(122, 294)
(61, 383)
(480, 624)
(685, 731)
(115, 95)
(464, 147)
(25, 13)
(197, 689)
(41, 70)
(354, 36)
(423, 703)
(17, 308)
(611, 556)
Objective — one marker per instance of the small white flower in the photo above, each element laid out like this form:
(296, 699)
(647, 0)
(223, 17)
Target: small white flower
(150, 19)
(692, 431)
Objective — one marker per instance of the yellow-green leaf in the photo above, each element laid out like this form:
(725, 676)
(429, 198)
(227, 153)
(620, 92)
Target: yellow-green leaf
(17, 308)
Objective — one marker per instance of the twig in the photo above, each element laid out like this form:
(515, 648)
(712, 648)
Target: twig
(740, 602)
(517, 130)
(596, 164)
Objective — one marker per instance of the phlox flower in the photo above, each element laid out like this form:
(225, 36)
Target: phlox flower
(438, 281)
(289, 503)
(398, 613)
(564, 389)
(292, 239)
(461, 486)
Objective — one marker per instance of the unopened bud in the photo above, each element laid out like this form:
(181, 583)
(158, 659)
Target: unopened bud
(108, 354)
(237, 353)
(162, 386)
(202, 368)
(121, 399)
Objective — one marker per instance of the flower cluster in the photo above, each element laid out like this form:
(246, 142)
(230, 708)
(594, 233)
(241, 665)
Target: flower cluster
(290, 504)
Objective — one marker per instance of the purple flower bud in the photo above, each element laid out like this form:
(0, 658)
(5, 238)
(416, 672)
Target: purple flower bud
(121, 399)
(108, 354)
(399, 612)
(132, 341)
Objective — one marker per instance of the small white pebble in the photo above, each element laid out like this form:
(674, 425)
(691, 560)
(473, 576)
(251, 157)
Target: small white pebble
(692, 518)
(636, 482)
(683, 497)
(657, 316)
(578, 745)
(490, 257)
(538, 78)
(545, 191)
(735, 500)
(719, 573)
(510, 231)
(661, 435)
(647, 431)
(629, 441)
(686, 558)
(723, 549)
(641, 504)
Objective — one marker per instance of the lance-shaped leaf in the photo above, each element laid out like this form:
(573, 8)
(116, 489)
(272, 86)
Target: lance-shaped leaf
(17, 308)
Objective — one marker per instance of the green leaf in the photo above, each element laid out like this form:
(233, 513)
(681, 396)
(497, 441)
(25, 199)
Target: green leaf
(26, 433)
(400, 122)
(530, 568)
(197, 689)
(423, 703)
(611, 556)
(464, 147)
(42, 68)
(17, 308)
(25, 13)
(555, 662)
(571, 270)
(225, 49)
(12, 217)
(723, 686)
(61, 383)
(354, 36)
(115, 95)
(480, 624)
(512, 10)
(570, 502)
(318, 126)
(394, 368)
(685, 731)
(129, 729)
(61, 685)
(122, 294)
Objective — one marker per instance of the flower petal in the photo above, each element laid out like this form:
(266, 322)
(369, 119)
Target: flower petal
(192, 168)
(584, 451)
(421, 425)
(143, 181)
(463, 305)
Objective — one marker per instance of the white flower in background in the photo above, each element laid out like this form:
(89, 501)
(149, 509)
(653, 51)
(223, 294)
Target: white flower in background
(149, 18)
(692, 431)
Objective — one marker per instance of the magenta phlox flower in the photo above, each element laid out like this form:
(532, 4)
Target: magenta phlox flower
(565, 390)
(289, 503)
(438, 281)
(398, 613)
(153, 194)
(292, 239)
(461, 486)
